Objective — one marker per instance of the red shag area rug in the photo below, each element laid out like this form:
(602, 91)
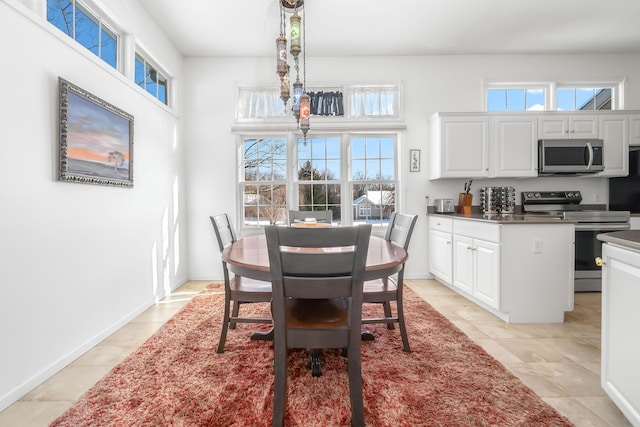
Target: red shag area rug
(177, 379)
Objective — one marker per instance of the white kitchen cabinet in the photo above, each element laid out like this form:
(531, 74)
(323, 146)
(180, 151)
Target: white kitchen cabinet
(614, 130)
(440, 248)
(477, 269)
(463, 274)
(440, 255)
(634, 129)
(514, 146)
(520, 271)
(620, 375)
(459, 146)
(561, 126)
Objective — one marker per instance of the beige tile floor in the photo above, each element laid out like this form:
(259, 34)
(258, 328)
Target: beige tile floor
(560, 362)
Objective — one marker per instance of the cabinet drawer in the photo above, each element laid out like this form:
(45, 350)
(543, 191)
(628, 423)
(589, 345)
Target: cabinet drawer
(438, 222)
(477, 230)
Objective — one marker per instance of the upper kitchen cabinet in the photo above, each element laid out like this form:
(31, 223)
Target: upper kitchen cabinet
(614, 130)
(459, 146)
(471, 145)
(563, 126)
(514, 147)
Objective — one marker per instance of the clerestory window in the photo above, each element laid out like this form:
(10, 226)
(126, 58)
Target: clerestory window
(151, 80)
(553, 97)
(86, 27)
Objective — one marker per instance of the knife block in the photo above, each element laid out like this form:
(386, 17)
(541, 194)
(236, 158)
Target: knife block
(464, 203)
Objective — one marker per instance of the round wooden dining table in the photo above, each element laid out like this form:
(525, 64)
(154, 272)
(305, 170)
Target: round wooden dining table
(248, 257)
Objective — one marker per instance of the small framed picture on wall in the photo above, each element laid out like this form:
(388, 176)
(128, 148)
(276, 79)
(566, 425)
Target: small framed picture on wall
(414, 160)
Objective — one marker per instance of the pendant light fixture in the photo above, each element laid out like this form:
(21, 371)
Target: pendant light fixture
(301, 107)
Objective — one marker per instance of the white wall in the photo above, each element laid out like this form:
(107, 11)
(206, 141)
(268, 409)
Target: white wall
(431, 84)
(77, 261)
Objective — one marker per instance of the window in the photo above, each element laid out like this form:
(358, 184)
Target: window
(373, 178)
(566, 97)
(381, 101)
(373, 101)
(355, 176)
(319, 178)
(259, 103)
(264, 185)
(515, 99)
(79, 23)
(148, 78)
(584, 98)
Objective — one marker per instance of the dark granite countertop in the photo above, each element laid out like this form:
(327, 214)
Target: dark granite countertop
(506, 218)
(628, 238)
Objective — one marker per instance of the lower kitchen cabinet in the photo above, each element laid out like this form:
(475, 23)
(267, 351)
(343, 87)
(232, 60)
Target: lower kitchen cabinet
(440, 255)
(521, 272)
(477, 269)
(440, 247)
(620, 319)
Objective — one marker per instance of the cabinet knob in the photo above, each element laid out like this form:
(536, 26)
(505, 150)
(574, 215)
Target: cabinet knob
(448, 242)
(599, 261)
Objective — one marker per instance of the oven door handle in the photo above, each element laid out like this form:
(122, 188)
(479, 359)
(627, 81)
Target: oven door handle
(599, 226)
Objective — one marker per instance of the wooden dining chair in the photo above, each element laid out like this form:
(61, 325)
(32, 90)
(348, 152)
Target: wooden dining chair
(237, 290)
(320, 216)
(384, 291)
(317, 301)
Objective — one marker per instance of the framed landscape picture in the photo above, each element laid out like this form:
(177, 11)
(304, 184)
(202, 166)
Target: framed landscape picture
(95, 141)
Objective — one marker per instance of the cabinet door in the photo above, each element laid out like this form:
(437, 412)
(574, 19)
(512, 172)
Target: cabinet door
(565, 126)
(440, 255)
(463, 263)
(487, 272)
(620, 375)
(515, 147)
(634, 130)
(465, 147)
(583, 126)
(613, 130)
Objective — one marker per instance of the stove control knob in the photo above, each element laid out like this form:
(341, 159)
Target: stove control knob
(537, 195)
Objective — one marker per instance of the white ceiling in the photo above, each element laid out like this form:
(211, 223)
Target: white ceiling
(404, 27)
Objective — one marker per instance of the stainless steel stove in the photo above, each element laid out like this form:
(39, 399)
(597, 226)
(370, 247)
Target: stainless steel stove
(591, 220)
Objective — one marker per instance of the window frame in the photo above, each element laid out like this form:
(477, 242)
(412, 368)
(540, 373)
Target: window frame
(104, 24)
(551, 91)
(347, 94)
(346, 182)
(152, 64)
(615, 93)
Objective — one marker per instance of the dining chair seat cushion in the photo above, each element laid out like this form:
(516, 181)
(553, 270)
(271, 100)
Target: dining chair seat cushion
(380, 290)
(317, 314)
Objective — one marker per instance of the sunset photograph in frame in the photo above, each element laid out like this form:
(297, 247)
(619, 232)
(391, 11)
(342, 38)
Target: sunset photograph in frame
(95, 141)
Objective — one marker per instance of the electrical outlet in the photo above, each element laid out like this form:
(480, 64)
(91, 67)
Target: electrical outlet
(596, 197)
(537, 246)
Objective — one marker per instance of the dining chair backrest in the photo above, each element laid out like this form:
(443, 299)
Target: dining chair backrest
(323, 216)
(225, 233)
(317, 263)
(400, 229)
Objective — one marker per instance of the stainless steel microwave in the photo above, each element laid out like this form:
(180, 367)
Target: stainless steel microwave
(570, 156)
